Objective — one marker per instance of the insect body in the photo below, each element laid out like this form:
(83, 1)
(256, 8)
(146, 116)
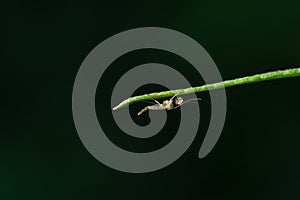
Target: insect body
(166, 105)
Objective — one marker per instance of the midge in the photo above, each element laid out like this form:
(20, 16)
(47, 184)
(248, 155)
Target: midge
(173, 103)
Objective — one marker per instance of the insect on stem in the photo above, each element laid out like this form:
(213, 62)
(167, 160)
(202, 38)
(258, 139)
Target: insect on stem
(171, 104)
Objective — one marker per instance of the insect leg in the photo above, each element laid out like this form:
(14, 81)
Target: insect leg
(173, 97)
(154, 107)
(143, 110)
(155, 101)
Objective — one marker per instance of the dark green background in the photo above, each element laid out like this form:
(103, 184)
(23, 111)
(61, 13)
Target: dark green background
(43, 45)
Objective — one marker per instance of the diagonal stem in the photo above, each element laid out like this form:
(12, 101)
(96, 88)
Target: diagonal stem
(229, 83)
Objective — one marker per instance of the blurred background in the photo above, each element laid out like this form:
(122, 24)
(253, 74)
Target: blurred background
(43, 44)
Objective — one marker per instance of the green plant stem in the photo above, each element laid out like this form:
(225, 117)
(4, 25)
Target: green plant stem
(229, 83)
